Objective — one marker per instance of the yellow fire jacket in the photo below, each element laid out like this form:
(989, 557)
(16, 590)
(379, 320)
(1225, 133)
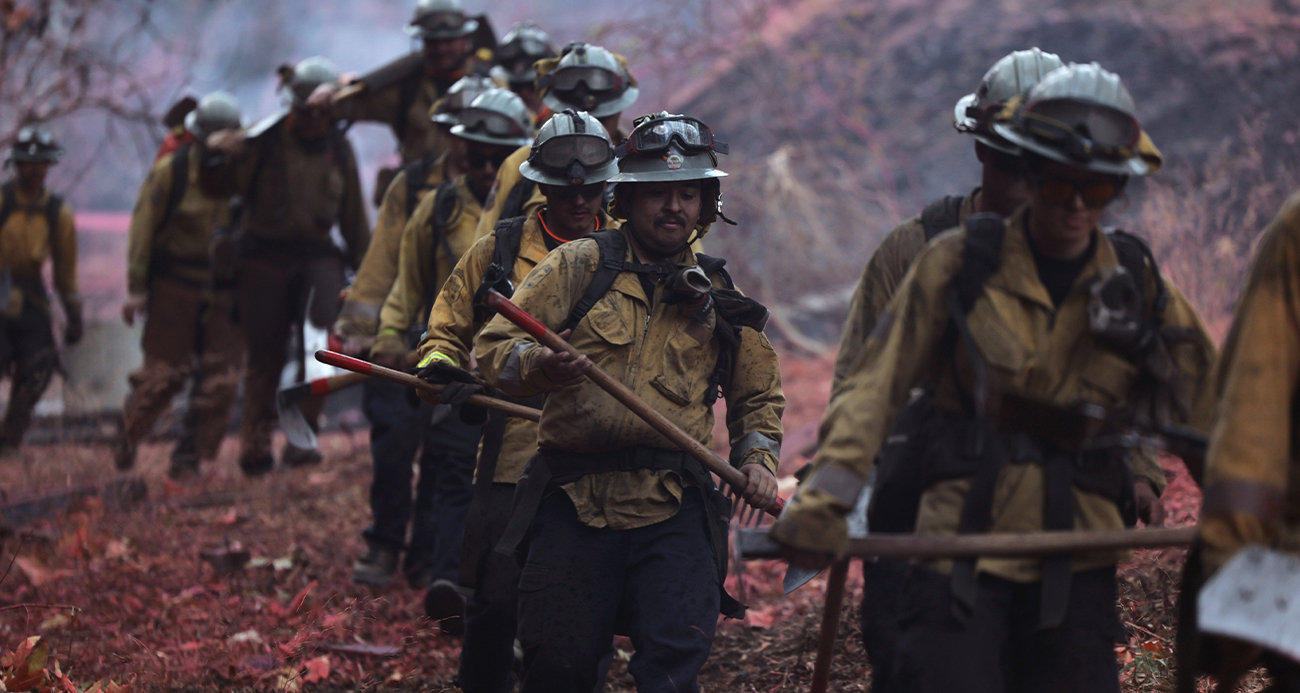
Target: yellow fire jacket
(179, 249)
(452, 329)
(25, 246)
(359, 316)
(426, 258)
(418, 136)
(1253, 454)
(1032, 349)
(663, 356)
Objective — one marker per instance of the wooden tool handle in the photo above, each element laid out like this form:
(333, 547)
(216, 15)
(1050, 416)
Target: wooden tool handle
(729, 474)
(830, 626)
(374, 370)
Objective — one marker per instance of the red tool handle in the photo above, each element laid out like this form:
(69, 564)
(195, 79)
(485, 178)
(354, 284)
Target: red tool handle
(732, 476)
(347, 363)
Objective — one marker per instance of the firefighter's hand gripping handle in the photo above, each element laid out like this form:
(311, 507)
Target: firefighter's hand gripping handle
(729, 474)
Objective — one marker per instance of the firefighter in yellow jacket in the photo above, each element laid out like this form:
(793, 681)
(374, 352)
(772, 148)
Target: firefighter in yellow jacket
(1252, 472)
(297, 175)
(584, 78)
(625, 533)
(438, 233)
(1057, 346)
(500, 260)
(190, 330)
(35, 225)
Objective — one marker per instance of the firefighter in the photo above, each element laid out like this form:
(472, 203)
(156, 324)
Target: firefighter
(438, 233)
(584, 78)
(504, 258)
(190, 334)
(297, 175)
(517, 57)
(1044, 367)
(35, 225)
(624, 532)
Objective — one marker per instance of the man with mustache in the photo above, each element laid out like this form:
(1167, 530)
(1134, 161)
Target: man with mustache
(620, 531)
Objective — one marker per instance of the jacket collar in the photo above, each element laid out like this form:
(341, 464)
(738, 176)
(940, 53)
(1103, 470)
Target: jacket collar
(533, 245)
(1019, 275)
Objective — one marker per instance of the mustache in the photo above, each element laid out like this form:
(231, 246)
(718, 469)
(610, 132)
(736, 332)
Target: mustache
(665, 218)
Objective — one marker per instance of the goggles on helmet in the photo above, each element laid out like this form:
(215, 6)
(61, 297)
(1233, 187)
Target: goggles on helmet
(441, 21)
(40, 136)
(1081, 130)
(490, 122)
(560, 152)
(657, 135)
(595, 78)
(526, 47)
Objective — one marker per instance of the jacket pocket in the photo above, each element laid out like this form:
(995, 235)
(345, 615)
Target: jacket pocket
(534, 578)
(1107, 379)
(609, 323)
(685, 366)
(998, 343)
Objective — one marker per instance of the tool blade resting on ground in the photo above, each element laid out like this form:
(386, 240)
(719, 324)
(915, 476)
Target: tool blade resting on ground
(1255, 599)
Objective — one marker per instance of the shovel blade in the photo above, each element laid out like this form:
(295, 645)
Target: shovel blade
(293, 422)
(1255, 599)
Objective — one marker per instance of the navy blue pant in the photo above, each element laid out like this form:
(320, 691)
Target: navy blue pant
(487, 653)
(882, 597)
(580, 586)
(448, 449)
(999, 648)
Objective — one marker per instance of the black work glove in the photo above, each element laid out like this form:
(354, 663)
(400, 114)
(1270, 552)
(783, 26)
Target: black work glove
(441, 372)
(74, 330)
(461, 385)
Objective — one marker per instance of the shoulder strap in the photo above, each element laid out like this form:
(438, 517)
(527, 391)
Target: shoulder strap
(981, 257)
(509, 235)
(446, 207)
(9, 203)
(518, 197)
(406, 97)
(613, 246)
(180, 180)
(417, 172)
(52, 208)
(941, 215)
(1135, 256)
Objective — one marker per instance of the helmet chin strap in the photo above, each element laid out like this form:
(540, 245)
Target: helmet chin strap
(678, 251)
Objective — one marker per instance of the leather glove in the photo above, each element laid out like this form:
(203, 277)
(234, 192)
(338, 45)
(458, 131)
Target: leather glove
(461, 384)
(813, 528)
(74, 330)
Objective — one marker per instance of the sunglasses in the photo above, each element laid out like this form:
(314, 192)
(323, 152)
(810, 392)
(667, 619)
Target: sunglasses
(590, 191)
(478, 158)
(1096, 194)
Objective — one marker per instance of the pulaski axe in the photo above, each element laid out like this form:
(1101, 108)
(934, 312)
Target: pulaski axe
(729, 474)
(288, 402)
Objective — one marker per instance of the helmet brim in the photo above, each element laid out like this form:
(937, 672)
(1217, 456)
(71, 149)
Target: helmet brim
(667, 176)
(459, 131)
(600, 110)
(1133, 166)
(603, 174)
(469, 27)
(960, 120)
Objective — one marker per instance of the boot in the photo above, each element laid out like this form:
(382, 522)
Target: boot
(377, 567)
(293, 457)
(444, 605)
(256, 462)
(123, 453)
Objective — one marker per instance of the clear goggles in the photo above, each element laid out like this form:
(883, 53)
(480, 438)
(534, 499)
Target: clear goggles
(657, 135)
(1082, 130)
(594, 78)
(442, 22)
(524, 48)
(40, 136)
(491, 122)
(562, 151)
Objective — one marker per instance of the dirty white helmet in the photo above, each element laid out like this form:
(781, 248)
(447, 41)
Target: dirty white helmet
(520, 50)
(572, 148)
(667, 147)
(35, 143)
(589, 78)
(1011, 76)
(1079, 115)
(459, 96)
(497, 116)
(440, 19)
(307, 75)
(216, 111)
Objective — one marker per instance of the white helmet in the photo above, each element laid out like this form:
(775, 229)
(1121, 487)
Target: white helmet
(1011, 76)
(589, 78)
(216, 111)
(572, 148)
(440, 19)
(458, 97)
(1080, 115)
(497, 116)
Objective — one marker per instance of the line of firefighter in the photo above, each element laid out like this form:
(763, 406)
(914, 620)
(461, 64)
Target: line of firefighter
(966, 347)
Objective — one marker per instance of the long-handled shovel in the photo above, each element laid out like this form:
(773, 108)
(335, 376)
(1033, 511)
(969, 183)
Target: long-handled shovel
(367, 369)
(288, 402)
(729, 474)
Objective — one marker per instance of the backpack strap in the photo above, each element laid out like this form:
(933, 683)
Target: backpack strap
(1136, 257)
(941, 215)
(517, 198)
(180, 180)
(446, 210)
(507, 236)
(9, 204)
(613, 247)
(405, 98)
(417, 173)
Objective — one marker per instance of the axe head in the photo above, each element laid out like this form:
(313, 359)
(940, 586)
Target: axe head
(1255, 598)
(796, 577)
(293, 422)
